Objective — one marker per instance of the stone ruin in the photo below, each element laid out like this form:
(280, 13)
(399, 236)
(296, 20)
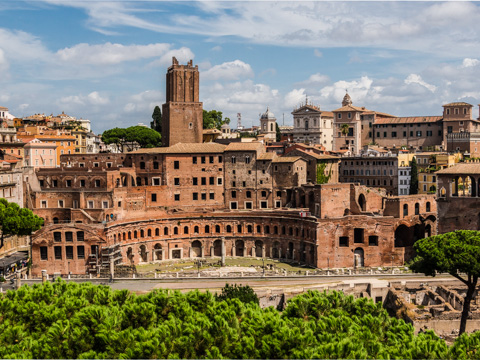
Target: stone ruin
(437, 306)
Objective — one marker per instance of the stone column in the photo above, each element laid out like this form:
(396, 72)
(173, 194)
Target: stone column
(223, 252)
(212, 251)
(293, 254)
(18, 279)
(203, 252)
(44, 276)
(279, 253)
(190, 252)
(253, 251)
(263, 250)
(112, 269)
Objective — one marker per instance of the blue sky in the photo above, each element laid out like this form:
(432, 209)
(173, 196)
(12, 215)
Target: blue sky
(106, 61)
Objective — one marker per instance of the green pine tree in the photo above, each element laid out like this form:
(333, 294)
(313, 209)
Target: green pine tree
(413, 177)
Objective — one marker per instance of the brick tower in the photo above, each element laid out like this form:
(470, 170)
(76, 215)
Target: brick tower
(182, 119)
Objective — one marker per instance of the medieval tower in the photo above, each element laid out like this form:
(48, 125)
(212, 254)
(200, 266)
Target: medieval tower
(182, 119)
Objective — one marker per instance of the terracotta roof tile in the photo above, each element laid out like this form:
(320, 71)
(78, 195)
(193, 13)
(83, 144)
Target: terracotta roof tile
(408, 120)
(287, 159)
(350, 108)
(458, 104)
(467, 168)
(192, 148)
(240, 146)
(267, 156)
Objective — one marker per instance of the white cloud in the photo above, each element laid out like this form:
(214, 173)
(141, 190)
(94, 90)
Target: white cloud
(94, 98)
(4, 65)
(317, 53)
(110, 54)
(295, 97)
(467, 62)
(233, 70)
(417, 79)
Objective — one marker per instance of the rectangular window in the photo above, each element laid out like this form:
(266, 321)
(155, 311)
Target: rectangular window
(154, 197)
(57, 236)
(44, 203)
(80, 236)
(219, 181)
(156, 181)
(278, 204)
(60, 203)
(212, 196)
(263, 204)
(176, 164)
(204, 196)
(68, 183)
(419, 133)
(203, 159)
(177, 197)
(234, 194)
(97, 183)
(394, 134)
(69, 236)
(429, 133)
(90, 204)
(233, 205)
(82, 183)
(155, 165)
(211, 159)
(195, 181)
(248, 205)
(220, 159)
(194, 159)
(58, 252)
(80, 252)
(43, 253)
(204, 181)
(176, 181)
(69, 252)
(195, 196)
(212, 181)
(358, 235)
(343, 241)
(105, 204)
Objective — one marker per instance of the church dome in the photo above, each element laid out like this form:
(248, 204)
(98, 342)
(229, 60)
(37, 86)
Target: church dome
(347, 100)
(268, 115)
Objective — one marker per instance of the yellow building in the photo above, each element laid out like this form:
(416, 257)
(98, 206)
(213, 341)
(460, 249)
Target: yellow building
(428, 165)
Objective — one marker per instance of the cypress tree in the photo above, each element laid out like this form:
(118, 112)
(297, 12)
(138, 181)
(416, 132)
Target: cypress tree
(413, 177)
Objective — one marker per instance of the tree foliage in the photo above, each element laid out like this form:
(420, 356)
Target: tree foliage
(126, 139)
(85, 321)
(156, 123)
(455, 253)
(15, 220)
(278, 133)
(243, 293)
(413, 177)
(213, 119)
(344, 129)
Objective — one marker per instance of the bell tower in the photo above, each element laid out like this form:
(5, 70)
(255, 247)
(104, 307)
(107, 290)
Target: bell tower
(182, 119)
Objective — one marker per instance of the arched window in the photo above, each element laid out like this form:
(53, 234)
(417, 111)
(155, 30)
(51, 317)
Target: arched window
(267, 229)
(175, 230)
(217, 229)
(428, 207)
(247, 159)
(259, 229)
(157, 232)
(165, 231)
(229, 229)
(124, 236)
(284, 230)
(195, 230)
(185, 229)
(417, 209)
(275, 230)
(405, 210)
(239, 228)
(129, 235)
(290, 231)
(149, 232)
(142, 233)
(249, 228)
(234, 159)
(135, 234)
(207, 229)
